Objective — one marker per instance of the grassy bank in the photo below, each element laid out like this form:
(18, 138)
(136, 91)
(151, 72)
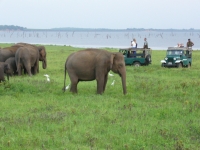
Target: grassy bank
(161, 110)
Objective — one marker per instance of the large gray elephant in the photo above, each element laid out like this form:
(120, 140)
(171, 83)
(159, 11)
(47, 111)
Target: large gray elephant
(3, 69)
(13, 68)
(91, 64)
(27, 57)
(42, 53)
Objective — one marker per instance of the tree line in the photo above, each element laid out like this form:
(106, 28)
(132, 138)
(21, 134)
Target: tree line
(11, 27)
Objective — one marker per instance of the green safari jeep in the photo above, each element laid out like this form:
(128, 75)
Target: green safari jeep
(177, 57)
(136, 56)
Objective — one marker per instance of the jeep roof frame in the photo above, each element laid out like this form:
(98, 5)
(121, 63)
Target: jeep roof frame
(135, 49)
(179, 48)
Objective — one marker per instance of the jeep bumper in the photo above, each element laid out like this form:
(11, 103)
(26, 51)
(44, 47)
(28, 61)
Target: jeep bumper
(169, 64)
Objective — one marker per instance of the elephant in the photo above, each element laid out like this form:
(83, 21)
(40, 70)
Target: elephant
(42, 53)
(13, 68)
(90, 64)
(3, 69)
(27, 57)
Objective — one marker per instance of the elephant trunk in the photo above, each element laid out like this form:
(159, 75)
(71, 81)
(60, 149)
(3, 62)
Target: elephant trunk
(122, 73)
(44, 64)
(123, 77)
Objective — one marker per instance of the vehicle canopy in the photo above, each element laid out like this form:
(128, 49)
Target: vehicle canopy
(143, 51)
(178, 51)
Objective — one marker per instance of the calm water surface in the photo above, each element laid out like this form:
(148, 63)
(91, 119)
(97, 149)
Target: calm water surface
(156, 40)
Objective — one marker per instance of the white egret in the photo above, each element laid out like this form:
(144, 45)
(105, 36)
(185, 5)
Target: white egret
(67, 87)
(110, 74)
(113, 82)
(48, 77)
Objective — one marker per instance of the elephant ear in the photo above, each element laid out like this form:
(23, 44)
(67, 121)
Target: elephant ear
(111, 59)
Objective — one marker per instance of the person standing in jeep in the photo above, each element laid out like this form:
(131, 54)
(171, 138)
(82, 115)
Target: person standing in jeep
(190, 43)
(145, 43)
(134, 43)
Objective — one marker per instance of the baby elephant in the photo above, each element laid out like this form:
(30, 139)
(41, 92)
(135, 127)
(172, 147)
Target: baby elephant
(3, 69)
(13, 68)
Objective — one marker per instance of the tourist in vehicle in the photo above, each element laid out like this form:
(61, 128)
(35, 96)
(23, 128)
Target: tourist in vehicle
(134, 43)
(181, 45)
(178, 45)
(190, 43)
(145, 43)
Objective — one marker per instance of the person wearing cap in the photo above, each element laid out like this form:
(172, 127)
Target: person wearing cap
(189, 43)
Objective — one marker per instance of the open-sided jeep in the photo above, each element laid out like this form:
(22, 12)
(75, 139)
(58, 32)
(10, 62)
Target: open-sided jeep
(177, 57)
(136, 56)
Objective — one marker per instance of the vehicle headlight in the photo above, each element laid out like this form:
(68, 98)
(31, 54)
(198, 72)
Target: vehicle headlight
(174, 58)
(166, 58)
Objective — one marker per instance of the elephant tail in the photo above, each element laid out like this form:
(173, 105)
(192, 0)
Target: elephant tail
(64, 88)
(18, 64)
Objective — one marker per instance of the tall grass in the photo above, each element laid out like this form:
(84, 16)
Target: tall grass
(160, 111)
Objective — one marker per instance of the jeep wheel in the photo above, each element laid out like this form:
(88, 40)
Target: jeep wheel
(179, 65)
(162, 65)
(189, 65)
(136, 64)
(148, 59)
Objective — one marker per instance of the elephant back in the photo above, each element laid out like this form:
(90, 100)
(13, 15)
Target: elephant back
(13, 48)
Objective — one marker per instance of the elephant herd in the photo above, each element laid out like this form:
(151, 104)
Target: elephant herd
(84, 65)
(21, 57)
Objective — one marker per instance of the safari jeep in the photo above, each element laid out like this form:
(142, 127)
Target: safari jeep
(136, 56)
(177, 57)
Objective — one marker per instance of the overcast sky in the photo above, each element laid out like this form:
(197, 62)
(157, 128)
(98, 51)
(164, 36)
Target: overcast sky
(112, 14)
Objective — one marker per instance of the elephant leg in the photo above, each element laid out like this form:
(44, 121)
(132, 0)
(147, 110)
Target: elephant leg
(38, 68)
(100, 85)
(28, 68)
(35, 68)
(32, 70)
(19, 69)
(74, 82)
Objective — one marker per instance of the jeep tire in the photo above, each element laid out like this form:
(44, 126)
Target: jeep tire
(189, 65)
(179, 65)
(136, 64)
(148, 59)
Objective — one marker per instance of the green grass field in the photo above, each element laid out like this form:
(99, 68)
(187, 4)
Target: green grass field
(161, 110)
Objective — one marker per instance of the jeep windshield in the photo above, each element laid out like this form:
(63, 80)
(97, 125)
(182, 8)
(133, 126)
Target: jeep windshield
(174, 52)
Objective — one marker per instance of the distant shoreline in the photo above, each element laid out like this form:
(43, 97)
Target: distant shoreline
(19, 28)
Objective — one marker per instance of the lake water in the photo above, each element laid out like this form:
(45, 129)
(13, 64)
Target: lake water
(117, 39)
